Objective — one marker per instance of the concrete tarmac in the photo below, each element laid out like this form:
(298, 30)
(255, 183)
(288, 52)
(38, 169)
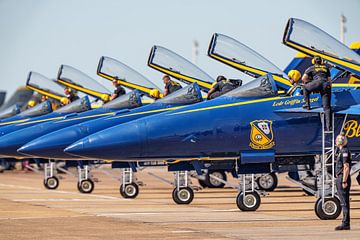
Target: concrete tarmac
(29, 211)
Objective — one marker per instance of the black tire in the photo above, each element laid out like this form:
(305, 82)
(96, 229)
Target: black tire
(267, 182)
(213, 183)
(184, 195)
(79, 188)
(51, 183)
(86, 186)
(331, 211)
(129, 191)
(251, 202)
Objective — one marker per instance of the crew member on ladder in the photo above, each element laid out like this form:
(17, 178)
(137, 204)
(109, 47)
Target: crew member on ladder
(317, 79)
(343, 179)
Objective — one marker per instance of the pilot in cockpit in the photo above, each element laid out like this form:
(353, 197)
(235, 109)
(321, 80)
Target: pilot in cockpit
(221, 87)
(119, 90)
(70, 95)
(170, 86)
(294, 77)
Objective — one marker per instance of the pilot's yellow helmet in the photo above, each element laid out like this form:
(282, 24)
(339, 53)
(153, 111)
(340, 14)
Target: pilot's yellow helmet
(295, 75)
(64, 101)
(31, 103)
(155, 93)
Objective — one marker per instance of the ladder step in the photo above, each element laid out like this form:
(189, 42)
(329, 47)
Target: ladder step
(328, 132)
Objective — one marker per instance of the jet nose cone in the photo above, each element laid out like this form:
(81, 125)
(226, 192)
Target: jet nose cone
(48, 146)
(76, 149)
(9, 145)
(121, 142)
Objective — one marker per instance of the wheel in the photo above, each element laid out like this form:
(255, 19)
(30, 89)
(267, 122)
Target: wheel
(130, 191)
(184, 195)
(267, 182)
(213, 183)
(51, 183)
(79, 187)
(86, 186)
(331, 209)
(251, 202)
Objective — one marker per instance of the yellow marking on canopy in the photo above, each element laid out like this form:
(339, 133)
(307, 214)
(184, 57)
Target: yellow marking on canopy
(181, 76)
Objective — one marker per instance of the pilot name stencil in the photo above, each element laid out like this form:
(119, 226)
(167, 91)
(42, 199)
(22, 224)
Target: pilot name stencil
(261, 134)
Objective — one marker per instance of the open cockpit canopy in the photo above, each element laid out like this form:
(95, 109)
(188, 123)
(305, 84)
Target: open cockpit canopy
(110, 69)
(168, 62)
(45, 86)
(80, 81)
(261, 87)
(239, 56)
(313, 41)
(186, 95)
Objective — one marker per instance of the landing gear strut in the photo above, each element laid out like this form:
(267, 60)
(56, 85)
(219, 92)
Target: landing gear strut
(85, 184)
(128, 188)
(50, 180)
(182, 193)
(248, 198)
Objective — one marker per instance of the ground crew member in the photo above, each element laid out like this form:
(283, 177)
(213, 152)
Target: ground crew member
(317, 79)
(70, 94)
(343, 180)
(221, 87)
(119, 90)
(170, 86)
(294, 77)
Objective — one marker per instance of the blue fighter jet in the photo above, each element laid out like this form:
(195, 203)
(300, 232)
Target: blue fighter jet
(252, 124)
(53, 144)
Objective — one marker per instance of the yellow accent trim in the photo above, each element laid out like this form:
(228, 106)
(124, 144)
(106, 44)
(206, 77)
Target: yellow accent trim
(150, 111)
(86, 117)
(354, 80)
(14, 122)
(128, 84)
(100, 95)
(355, 45)
(346, 84)
(39, 121)
(329, 58)
(250, 69)
(147, 101)
(301, 55)
(178, 75)
(230, 105)
(51, 95)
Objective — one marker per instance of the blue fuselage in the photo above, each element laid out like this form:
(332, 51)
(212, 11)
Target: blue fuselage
(52, 145)
(223, 127)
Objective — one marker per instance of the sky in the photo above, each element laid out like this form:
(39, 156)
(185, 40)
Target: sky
(40, 35)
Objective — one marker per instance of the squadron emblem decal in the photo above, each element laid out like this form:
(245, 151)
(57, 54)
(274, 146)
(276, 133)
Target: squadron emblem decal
(261, 134)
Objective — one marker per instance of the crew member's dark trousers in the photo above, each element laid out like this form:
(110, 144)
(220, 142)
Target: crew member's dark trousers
(325, 91)
(344, 195)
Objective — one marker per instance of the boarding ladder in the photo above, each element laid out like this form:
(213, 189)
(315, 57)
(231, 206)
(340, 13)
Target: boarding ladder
(327, 160)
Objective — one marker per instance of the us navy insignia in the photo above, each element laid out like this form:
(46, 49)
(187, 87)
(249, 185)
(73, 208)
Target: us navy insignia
(261, 134)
